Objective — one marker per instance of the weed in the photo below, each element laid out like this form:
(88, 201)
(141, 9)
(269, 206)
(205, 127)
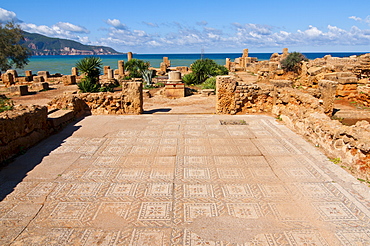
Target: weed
(335, 160)
(363, 180)
(5, 104)
(279, 118)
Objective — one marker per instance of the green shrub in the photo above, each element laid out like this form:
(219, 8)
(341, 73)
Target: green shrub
(5, 103)
(136, 67)
(205, 68)
(189, 79)
(91, 67)
(293, 62)
(210, 83)
(86, 85)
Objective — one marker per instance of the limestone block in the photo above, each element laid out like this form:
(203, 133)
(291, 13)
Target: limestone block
(129, 56)
(174, 77)
(13, 72)
(347, 87)
(174, 90)
(39, 86)
(8, 79)
(345, 74)
(106, 68)
(208, 92)
(121, 68)
(328, 90)
(281, 83)
(313, 71)
(28, 73)
(60, 117)
(245, 53)
(273, 66)
(225, 94)
(330, 76)
(69, 79)
(38, 79)
(44, 74)
(20, 90)
(347, 80)
(24, 79)
(74, 71)
(110, 74)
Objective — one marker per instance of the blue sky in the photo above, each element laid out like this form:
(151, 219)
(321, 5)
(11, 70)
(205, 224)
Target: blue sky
(189, 26)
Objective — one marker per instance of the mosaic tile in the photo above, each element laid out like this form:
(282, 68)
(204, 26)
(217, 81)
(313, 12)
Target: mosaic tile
(159, 189)
(198, 190)
(195, 210)
(156, 211)
(150, 237)
(244, 210)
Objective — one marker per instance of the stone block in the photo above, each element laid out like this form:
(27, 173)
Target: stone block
(8, 79)
(28, 73)
(69, 79)
(39, 86)
(327, 94)
(44, 74)
(20, 90)
(313, 71)
(106, 68)
(121, 68)
(74, 71)
(345, 74)
(330, 76)
(208, 92)
(13, 72)
(38, 79)
(174, 90)
(60, 117)
(347, 87)
(347, 80)
(129, 56)
(281, 83)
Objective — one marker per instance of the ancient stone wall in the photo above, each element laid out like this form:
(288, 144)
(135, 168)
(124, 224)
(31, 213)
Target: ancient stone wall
(129, 101)
(21, 128)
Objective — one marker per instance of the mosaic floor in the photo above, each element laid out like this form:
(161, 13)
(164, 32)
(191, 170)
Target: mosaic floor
(180, 180)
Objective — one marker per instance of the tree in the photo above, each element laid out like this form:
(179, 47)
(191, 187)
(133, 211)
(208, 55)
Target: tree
(91, 67)
(206, 68)
(12, 53)
(293, 62)
(136, 67)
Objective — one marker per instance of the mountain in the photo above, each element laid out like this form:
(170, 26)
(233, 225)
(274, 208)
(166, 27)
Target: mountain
(41, 45)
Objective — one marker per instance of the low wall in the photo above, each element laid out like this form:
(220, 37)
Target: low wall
(128, 101)
(21, 128)
(307, 115)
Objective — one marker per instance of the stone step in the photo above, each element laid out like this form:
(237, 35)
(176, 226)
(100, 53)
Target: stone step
(60, 117)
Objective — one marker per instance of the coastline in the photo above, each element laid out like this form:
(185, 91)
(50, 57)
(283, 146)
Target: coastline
(63, 64)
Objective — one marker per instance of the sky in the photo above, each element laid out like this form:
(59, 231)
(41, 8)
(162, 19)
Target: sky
(190, 26)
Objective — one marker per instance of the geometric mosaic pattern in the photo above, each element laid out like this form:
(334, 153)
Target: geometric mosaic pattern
(181, 180)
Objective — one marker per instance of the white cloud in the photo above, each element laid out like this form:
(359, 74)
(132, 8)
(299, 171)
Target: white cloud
(202, 23)
(7, 16)
(116, 24)
(355, 18)
(71, 27)
(150, 24)
(182, 38)
(60, 30)
(359, 19)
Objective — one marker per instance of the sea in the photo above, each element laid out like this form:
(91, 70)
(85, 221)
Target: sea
(63, 64)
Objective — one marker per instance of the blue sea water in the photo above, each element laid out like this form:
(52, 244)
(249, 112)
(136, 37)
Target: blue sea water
(63, 64)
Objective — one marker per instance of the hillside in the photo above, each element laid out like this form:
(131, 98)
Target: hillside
(41, 45)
